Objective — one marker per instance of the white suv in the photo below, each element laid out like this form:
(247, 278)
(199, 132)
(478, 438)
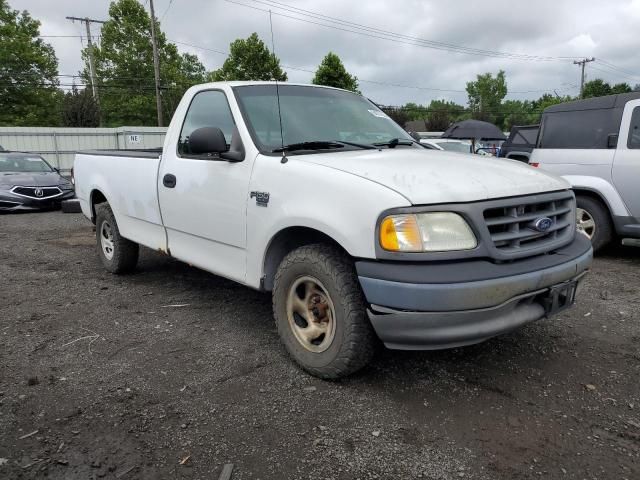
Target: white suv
(595, 145)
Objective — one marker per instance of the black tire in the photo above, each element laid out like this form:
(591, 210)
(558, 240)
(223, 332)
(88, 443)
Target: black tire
(124, 253)
(71, 206)
(603, 233)
(354, 342)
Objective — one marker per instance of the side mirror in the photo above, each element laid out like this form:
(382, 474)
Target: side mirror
(207, 140)
(612, 140)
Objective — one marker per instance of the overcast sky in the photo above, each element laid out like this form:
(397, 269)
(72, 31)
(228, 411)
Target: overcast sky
(607, 30)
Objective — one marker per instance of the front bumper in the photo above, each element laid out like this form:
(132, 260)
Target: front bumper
(430, 306)
(12, 202)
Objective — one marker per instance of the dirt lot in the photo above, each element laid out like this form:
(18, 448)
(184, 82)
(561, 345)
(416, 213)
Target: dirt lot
(105, 377)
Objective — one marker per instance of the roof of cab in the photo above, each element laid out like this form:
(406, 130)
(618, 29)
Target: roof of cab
(597, 103)
(243, 83)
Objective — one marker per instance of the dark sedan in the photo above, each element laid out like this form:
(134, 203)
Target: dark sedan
(28, 182)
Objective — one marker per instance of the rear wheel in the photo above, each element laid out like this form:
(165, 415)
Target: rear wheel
(320, 312)
(593, 219)
(118, 255)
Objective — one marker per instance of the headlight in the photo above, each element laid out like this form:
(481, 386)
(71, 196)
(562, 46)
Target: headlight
(426, 232)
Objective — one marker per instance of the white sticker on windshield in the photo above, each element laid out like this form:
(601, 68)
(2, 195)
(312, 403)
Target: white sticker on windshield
(377, 113)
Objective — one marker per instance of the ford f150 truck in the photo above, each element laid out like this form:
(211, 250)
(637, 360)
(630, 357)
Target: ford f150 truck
(361, 234)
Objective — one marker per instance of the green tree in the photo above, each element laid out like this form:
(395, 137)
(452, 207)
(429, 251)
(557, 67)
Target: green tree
(124, 68)
(79, 109)
(29, 93)
(548, 100)
(596, 88)
(397, 114)
(441, 114)
(415, 111)
(600, 88)
(485, 96)
(518, 112)
(621, 88)
(331, 72)
(249, 59)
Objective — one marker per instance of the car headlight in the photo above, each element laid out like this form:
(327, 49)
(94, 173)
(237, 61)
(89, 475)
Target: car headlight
(426, 232)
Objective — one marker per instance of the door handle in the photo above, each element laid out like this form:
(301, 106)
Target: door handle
(169, 180)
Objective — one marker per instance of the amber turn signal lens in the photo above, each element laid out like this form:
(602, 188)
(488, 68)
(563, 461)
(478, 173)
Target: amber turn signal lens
(388, 236)
(401, 233)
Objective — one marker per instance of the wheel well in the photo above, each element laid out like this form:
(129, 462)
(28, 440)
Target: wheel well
(284, 242)
(595, 196)
(96, 197)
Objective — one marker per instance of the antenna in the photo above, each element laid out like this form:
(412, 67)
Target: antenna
(273, 51)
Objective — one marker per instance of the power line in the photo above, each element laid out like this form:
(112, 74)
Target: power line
(199, 47)
(614, 72)
(461, 49)
(166, 10)
(614, 67)
(375, 82)
(359, 29)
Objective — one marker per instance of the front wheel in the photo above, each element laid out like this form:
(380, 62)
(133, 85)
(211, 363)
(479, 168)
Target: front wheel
(118, 255)
(592, 218)
(320, 312)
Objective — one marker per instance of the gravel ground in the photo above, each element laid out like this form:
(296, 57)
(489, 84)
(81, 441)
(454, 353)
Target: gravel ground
(106, 377)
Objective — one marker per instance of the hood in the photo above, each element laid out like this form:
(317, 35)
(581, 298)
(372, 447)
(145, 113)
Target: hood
(44, 179)
(430, 176)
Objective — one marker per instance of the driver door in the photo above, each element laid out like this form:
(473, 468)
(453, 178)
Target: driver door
(203, 199)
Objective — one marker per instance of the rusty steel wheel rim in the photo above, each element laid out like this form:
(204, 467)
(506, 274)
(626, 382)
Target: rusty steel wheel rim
(311, 314)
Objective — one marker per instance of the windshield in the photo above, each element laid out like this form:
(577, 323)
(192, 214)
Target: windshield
(455, 147)
(312, 114)
(21, 163)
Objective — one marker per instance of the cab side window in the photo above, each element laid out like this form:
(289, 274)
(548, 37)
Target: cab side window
(208, 109)
(634, 129)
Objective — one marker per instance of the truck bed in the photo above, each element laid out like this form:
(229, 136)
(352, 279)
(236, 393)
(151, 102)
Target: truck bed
(132, 190)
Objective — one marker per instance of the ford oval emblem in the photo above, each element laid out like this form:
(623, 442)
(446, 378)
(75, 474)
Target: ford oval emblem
(542, 224)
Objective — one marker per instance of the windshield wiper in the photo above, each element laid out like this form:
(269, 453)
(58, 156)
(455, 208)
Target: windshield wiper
(313, 145)
(365, 146)
(394, 142)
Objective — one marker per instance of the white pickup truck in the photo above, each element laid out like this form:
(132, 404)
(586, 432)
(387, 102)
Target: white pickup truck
(361, 234)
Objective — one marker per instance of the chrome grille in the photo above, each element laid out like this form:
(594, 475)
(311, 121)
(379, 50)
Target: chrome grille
(37, 193)
(538, 223)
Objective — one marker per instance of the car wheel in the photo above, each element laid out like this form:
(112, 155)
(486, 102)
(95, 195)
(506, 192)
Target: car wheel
(593, 219)
(118, 255)
(71, 206)
(320, 312)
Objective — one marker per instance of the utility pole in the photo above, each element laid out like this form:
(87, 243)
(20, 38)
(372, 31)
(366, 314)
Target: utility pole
(156, 62)
(582, 63)
(92, 68)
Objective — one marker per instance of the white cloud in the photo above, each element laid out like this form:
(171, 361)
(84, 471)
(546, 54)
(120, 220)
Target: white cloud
(606, 30)
(582, 43)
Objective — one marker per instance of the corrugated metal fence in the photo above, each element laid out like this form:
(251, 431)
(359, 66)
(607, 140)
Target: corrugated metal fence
(59, 145)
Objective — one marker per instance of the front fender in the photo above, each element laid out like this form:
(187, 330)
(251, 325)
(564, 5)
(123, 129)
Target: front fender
(603, 188)
(343, 206)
